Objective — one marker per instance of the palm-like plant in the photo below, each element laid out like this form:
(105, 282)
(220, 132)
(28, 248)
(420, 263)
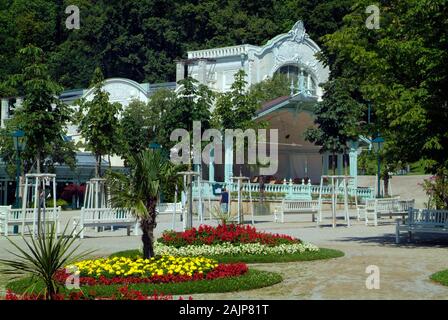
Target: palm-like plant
(139, 191)
(45, 256)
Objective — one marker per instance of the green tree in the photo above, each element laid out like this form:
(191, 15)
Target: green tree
(135, 128)
(140, 190)
(98, 122)
(337, 119)
(193, 102)
(400, 68)
(42, 116)
(236, 108)
(272, 88)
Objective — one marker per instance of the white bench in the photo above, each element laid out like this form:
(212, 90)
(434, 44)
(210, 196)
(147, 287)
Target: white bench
(17, 217)
(105, 217)
(296, 206)
(423, 221)
(167, 208)
(384, 207)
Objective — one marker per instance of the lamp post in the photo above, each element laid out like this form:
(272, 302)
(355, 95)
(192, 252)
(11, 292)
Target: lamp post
(18, 146)
(377, 145)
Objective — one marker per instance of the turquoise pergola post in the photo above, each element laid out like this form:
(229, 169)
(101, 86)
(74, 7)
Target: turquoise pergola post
(353, 155)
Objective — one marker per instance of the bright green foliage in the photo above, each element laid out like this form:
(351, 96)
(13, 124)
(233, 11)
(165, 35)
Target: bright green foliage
(337, 119)
(272, 88)
(401, 69)
(42, 116)
(42, 258)
(192, 103)
(140, 190)
(236, 108)
(98, 122)
(135, 128)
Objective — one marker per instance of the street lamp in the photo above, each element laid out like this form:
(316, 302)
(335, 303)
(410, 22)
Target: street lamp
(19, 146)
(377, 146)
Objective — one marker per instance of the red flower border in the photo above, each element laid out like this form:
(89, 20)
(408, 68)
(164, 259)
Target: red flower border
(221, 271)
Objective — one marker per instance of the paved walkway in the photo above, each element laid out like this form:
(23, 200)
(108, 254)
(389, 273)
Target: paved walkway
(404, 269)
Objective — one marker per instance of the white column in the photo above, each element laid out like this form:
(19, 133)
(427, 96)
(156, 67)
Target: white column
(228, 160)
(211, 166)
(202, 71)
(19, 102)
(4, 111)
(353, 155)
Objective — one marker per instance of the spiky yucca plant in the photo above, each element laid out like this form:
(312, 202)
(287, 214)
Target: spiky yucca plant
(139, 191)
(42, 257)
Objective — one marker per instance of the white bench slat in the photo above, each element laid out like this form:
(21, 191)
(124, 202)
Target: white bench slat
(105, 217)
(423, 221)
(296, 206)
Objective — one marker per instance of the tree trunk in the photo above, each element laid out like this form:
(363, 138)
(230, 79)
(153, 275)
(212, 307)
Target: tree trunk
(345, 164)
(386, 184)
(97, 165)
(334, 163)
(38, 162)
(148, 225)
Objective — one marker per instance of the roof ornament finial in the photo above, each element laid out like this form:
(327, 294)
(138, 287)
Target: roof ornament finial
(298, 31)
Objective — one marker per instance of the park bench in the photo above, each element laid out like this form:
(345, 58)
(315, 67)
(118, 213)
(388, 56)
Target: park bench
(296, 206)
(376, 208)
(169, 208)
(422, 221)
(15, 217)
(105, 217)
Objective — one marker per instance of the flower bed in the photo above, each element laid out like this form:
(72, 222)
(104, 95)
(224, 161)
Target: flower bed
(226, 233)
(165, 269)
(123, 293)
(231, 249)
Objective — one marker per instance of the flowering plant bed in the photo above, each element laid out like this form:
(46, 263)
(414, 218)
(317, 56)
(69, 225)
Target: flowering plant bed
(225, 233)
(165, 269)
(252, 279)
(123, 293)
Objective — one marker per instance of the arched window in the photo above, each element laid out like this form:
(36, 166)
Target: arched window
(292, 72)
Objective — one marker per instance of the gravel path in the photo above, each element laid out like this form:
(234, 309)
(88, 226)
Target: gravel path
(404, 269)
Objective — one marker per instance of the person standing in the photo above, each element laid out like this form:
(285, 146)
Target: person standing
(224, 200)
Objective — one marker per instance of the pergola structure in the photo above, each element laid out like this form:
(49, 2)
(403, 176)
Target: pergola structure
(336, 183)
(35, 190)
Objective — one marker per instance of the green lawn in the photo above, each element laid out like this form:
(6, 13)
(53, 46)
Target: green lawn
(322, 254)
(253, 279)
(441, 277)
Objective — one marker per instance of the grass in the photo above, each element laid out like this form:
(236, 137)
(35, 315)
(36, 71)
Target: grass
(441, 277)
(322, 254)
(253, 279)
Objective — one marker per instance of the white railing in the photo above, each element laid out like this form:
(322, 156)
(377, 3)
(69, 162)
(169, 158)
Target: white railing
(29, 216)
(218, 52)
(104, 215)
(289, 190)
(167, 207)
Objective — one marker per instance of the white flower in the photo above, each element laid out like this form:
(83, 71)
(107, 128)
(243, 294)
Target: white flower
(230, 249)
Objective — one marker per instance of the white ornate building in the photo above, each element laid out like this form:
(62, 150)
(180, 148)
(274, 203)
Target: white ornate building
(288, 53)
(292, 53)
